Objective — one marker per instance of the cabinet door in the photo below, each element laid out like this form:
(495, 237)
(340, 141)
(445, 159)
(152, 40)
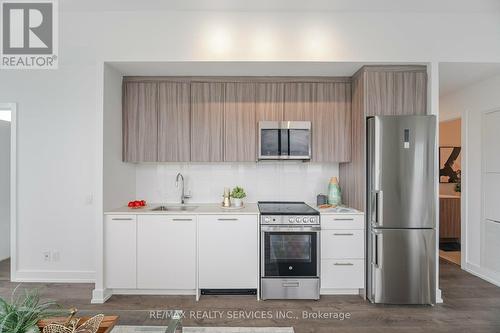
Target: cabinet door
(140, 122)
(120, 251)
(239, 122)
(396, 92)
(166, 252)
(228, 251)
(269, 101)
(174, 122)
(207, 112)
(331, 122)
(299, 100)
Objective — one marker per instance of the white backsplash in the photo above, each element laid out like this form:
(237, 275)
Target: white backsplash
(261, 181)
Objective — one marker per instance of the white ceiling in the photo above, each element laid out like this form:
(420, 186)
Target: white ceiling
(284, 5)
(238, 68)
(454, 76)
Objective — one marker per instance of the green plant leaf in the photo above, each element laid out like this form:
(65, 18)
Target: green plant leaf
(24, 311)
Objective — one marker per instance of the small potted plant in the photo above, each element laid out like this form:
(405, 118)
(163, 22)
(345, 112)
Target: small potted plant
(237, 195)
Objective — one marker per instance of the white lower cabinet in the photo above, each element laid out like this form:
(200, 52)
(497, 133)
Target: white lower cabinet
(342, 253)
(228, 251)
(166, 252)
(342, 273)
(120, 251)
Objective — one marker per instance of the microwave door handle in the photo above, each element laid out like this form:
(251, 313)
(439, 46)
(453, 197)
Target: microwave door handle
(288, 141)
(279, 142)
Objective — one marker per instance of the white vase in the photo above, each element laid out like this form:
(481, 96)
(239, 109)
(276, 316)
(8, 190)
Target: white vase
(237, 202)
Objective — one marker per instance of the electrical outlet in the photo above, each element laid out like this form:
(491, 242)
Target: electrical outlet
(55, 256)
(46, 256)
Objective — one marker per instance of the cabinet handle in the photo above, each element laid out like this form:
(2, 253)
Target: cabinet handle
(122, 219)
(343, 234)
(182, 219)
(344, 264)
(343, 219)
(290, 284)
(227, 219)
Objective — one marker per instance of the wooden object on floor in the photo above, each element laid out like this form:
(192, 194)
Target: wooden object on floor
(107, 323)
(378, 90)
(451, 256)
(449, 218)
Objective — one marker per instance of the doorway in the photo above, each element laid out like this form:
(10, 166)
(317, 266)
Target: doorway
(450, 159)
(8, 190)
(6, 115)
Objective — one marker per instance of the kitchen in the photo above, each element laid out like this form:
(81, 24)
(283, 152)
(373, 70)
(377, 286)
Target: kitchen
(186, 138)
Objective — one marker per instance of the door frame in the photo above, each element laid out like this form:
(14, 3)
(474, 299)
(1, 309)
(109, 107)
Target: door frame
(13, 186)
(465, 265)
(488, 275)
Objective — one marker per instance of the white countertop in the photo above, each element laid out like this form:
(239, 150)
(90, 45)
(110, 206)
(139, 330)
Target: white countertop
(202, 209)
(336, 210)
(216, 209)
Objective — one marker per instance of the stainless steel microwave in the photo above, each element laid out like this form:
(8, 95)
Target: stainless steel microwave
(284, 140)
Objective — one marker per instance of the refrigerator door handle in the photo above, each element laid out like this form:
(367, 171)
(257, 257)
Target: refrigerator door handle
(375, 260)
(379, 204)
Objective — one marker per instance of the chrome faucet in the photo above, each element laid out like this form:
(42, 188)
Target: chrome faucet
(183, 196)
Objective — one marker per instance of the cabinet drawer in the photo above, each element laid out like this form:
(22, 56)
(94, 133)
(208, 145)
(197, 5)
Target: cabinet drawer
(343, 221)
(342, 273)
(336, 244)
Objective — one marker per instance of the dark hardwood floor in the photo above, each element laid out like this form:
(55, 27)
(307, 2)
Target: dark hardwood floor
(470, 305)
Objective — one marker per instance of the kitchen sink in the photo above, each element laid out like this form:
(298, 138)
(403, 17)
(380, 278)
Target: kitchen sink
(174, 208)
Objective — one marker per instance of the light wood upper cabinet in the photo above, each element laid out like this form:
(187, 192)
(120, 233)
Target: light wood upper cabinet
(207, 112)
(181, 120)
(239, 122)
(396, 92)
(269, 101)
(140, 122)
(331, 122)
(174, 139)
(298, 101)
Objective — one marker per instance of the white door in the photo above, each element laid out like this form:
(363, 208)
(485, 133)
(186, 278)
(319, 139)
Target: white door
(228, 251)
(491, 191)
(166, 252)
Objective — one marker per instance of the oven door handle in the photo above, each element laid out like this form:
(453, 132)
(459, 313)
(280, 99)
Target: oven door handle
(309, 228)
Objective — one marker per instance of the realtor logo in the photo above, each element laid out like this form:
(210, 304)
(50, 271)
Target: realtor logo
(29, 34)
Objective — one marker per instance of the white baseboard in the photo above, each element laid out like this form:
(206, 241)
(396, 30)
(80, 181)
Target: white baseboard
(53, 276)
(483, 273)
(100, 296)
(439, 296)
(173, 292)
(335, 291)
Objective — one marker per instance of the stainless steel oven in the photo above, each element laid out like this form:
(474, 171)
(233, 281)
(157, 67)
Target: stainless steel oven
(290, 260)
(284, 140)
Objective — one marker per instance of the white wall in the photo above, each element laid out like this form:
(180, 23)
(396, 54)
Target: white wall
(61, 111)
(4, 189)
(118, 177)
(293, 181)
(469, 103)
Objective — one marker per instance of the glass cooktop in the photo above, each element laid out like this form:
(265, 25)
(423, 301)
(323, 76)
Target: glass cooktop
(285, 208)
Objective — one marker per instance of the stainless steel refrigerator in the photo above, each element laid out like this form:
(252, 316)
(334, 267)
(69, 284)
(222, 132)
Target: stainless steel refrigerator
(401, 209)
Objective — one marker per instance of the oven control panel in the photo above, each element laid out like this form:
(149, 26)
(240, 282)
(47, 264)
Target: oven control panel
(289, 219)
